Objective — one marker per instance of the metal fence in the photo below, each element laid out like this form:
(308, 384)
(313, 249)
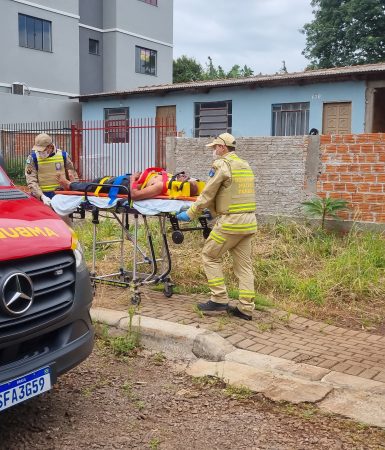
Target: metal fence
(97, 148)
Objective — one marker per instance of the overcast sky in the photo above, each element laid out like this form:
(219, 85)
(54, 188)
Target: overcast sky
(258, 33)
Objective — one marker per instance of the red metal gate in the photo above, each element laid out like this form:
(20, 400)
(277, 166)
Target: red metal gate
(114, 147)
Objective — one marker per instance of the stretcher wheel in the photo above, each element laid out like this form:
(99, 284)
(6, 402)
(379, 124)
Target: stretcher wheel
(168, 290)
(177, 237)
(206, 232)
(135, 299)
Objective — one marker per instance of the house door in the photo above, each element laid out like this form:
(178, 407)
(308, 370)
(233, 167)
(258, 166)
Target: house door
(165, 126)
(379, 111)
(337, 118)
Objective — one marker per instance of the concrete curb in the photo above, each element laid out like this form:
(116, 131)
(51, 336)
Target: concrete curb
(277, 378)
(174, 339)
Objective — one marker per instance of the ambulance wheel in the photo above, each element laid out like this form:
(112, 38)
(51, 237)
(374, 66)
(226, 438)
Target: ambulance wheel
(135, 299)
(206, 232)
(177, 237)
(168, 290)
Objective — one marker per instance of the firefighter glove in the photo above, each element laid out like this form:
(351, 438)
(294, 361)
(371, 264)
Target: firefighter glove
(183, 216)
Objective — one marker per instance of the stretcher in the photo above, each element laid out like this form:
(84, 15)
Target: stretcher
(150, 266)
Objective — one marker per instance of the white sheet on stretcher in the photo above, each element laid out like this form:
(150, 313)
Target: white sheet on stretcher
(67, 204)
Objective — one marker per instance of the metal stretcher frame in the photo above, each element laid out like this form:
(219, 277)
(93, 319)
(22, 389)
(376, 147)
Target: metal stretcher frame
(160, 265)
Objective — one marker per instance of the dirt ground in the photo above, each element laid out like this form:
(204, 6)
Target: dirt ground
(146, 402)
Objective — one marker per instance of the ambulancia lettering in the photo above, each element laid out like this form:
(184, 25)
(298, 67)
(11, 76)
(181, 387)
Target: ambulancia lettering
(26, 232)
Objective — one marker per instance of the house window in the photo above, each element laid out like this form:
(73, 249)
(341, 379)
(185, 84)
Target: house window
(116, 125)
(145, 61)
(35, 33)
(290, 119)
(213, 118)
(93, 46)
(151, 2)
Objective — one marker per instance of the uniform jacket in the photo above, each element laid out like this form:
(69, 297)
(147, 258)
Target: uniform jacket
(230, 195)
(43, 178)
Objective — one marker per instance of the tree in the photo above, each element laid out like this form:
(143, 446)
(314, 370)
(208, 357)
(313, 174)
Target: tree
(188, 69)
(345, 32)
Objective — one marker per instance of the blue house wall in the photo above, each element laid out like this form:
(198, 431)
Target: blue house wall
(251, 107)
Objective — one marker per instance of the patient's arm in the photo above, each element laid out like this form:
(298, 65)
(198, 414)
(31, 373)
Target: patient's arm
(147, 192)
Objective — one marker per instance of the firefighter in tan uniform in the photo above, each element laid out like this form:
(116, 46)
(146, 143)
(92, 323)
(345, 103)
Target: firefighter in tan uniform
(44, 165)
(230, 196)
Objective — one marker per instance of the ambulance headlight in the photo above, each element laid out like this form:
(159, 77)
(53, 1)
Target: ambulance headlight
(78, 252)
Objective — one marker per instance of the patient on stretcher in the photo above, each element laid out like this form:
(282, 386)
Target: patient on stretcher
(139, 186)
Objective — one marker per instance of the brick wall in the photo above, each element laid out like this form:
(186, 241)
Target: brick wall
(278, 162)
(353, 168)
(291, 169)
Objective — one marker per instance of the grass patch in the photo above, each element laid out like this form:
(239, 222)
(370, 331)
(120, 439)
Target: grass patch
(313, 273)
(208, 381)
(124, 345)
(238, 392)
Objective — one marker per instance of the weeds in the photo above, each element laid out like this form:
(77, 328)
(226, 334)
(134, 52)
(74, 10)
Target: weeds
(207, 381)
(238, 392)
(222, 322)
(265, 326)
(198, 311)
(122, 345)
(154, 443)
(310, 272)
(158, 358)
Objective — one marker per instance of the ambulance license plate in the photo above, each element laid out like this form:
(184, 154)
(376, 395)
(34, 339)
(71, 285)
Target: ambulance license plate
(25, 387)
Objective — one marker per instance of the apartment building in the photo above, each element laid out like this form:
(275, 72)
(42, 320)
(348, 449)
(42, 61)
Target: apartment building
(53, 50)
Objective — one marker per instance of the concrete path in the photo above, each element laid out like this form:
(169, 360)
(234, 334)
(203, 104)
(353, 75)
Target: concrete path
(285, 357)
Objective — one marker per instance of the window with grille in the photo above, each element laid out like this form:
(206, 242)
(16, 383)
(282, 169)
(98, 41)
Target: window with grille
(290, 119)
(35, 33)
(145, 61)
(116, 125)
(213, 118)
(151, 2)
(93, 46)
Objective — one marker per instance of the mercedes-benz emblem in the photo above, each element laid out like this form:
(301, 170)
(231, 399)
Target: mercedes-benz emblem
(16, 293)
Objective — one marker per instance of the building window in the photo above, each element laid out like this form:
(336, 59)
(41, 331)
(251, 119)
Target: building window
(116, 125)
(93, 46)
(145, 61)
(213, 118)
(290, 119)
(150, 2)
(35, 33)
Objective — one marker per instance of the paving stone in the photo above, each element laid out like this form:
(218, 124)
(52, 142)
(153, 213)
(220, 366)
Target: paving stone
(328, 363)
(354, 370)
(256, 347)
(267, 350)
(369, 373)
(278, 352)
(245, 344)
(290, 355)
(235, 338)
(374, 338)
(341, 367)
(380, 377)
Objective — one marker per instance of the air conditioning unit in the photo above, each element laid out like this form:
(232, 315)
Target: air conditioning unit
(18, 88)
